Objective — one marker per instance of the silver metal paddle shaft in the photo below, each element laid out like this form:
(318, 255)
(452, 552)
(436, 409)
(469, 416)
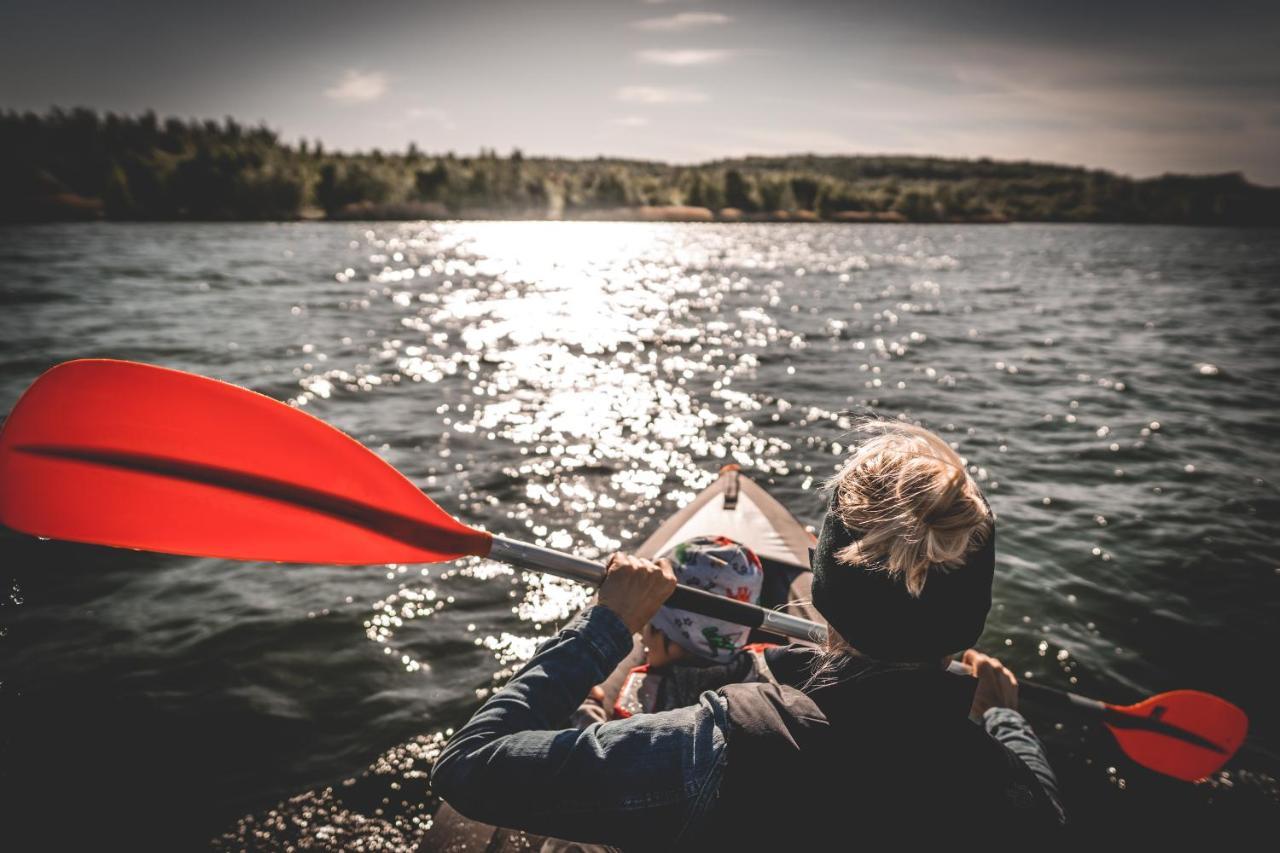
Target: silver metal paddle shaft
(525, 556)
(536, 558)
(794, 627)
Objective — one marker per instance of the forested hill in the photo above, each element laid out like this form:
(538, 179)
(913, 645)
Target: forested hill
(78, 164)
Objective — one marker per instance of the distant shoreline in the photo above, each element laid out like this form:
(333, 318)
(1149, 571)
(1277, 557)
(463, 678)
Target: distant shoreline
(71, 207)
(69, 165)
(68, 207)
(623, 216)
(86, 211)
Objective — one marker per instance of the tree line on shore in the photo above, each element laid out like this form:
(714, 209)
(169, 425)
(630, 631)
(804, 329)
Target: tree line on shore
(77, 164)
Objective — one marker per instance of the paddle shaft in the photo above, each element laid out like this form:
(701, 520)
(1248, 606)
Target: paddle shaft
(525, 556)
(1046, 697)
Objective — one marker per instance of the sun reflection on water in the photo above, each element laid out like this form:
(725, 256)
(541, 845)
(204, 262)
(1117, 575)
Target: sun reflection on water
(615, 362)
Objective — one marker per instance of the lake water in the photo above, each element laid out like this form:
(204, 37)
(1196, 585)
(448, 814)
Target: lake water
(1114, 388)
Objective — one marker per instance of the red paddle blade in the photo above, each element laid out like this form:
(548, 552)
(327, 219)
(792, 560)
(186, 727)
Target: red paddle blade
(1185, 734)
(137, 456)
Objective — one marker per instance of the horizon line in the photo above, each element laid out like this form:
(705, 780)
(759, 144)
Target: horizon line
(402, 151)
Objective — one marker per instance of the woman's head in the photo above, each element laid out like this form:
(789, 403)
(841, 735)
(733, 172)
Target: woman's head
(907, 493)
(905, 559)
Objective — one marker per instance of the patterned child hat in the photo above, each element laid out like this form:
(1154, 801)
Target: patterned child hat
(717, 565)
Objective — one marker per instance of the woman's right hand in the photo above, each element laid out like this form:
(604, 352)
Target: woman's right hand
(634, 588)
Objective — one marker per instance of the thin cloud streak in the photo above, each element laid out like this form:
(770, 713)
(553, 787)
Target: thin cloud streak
(358, 87)
(682, 21)
(798, 140)
(440, 117)
(687, 57)
(657, 95)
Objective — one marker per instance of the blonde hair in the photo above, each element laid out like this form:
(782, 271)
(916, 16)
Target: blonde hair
(907, 492)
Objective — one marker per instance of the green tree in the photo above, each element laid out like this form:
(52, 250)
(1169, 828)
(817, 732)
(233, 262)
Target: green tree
(701, 191)
(917, 205)
(117, 200)
(740, 192)
(479, 188)
(432, 183)
(611, 189)
(348, 184)
(805, 190)
(776, 194)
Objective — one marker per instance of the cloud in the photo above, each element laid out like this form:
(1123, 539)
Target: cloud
(655, 95)
(692, 56)
(440, 117)
(631, 121)
(800, 139)
(358, 87)
(682, 21)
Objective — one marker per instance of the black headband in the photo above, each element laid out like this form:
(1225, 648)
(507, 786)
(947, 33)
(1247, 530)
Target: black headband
(873, 611)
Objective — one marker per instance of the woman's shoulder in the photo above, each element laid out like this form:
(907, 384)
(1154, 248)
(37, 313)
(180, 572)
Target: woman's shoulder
(765, 708)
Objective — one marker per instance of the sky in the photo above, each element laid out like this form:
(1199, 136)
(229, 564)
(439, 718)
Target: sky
(1141, 88)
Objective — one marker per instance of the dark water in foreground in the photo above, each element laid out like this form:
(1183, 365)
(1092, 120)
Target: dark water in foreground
(1114, 387)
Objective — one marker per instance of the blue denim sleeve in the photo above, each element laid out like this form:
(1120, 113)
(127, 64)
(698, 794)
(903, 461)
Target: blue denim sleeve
(638, 782)
(1012, 729)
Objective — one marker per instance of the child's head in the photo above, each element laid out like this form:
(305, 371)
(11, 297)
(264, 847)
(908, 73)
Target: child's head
(718, 565)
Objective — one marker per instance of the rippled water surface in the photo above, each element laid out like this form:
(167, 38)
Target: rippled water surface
(1114, 389)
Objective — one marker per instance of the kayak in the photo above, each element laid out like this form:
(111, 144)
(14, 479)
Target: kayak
(734, 506)
(737, 507)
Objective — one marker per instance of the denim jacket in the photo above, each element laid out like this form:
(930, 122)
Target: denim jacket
(640, 782)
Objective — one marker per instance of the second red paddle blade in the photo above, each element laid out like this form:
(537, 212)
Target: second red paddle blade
(1205, 733)
(137, 456)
